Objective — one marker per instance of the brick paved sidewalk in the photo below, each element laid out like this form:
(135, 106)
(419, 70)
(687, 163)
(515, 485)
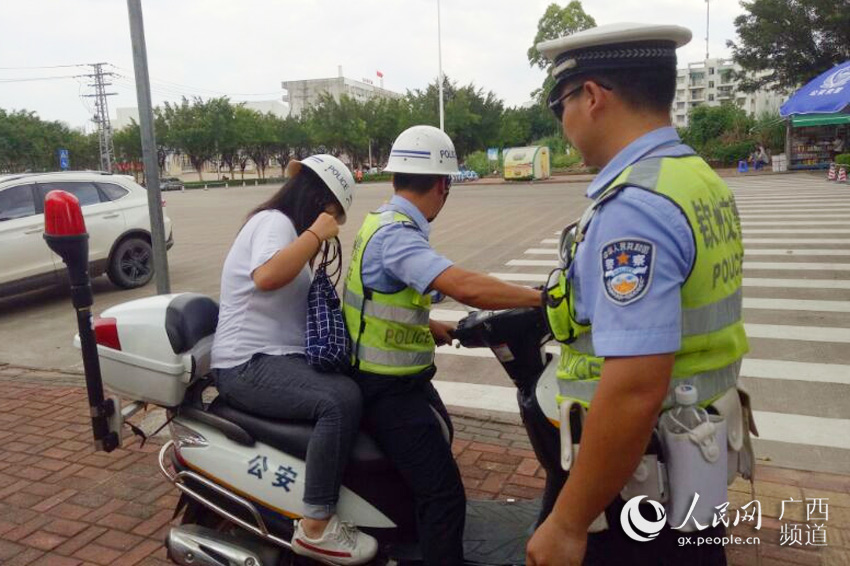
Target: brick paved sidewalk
(62, 504)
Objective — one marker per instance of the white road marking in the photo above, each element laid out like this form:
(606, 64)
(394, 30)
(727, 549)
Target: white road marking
(798, 371)
(796, 305)
(797, 231)
(748, 281)
(801, 333)
(844, 241)
(788, 266)
(779, 427)
(792, 252)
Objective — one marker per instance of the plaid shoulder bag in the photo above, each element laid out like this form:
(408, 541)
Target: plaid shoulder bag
(328, 346)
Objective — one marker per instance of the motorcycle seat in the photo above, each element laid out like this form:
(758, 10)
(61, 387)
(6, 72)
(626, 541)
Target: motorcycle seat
(189, 318)
(292, 437)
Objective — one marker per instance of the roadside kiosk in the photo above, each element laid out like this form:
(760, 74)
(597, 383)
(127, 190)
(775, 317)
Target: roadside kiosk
(526, 163)
(818, 120)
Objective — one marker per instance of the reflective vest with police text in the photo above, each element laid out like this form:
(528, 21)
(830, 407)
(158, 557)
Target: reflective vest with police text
(389, 331)
(713, 339)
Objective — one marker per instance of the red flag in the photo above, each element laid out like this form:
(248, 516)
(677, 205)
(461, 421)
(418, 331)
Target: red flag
(380, 74)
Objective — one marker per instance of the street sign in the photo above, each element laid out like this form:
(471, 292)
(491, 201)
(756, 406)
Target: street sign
(493, 154)
(63, 159)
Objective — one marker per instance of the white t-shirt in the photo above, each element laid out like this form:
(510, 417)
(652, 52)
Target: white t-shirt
(252, 321)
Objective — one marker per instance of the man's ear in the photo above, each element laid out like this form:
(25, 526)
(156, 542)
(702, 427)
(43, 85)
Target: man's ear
(598, 98)
(439, 187)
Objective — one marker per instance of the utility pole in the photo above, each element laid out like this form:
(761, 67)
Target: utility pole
(440, 61)
(706, 29)
(143, 96)
(101, 117)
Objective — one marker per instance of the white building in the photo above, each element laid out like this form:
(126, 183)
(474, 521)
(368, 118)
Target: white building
(123, 116)
(710, 82)
(304, 94)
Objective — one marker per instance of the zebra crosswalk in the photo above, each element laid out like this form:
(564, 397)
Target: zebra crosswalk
(796, 296)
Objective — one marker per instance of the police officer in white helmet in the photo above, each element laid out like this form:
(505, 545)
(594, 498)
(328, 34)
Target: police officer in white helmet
(386, 305)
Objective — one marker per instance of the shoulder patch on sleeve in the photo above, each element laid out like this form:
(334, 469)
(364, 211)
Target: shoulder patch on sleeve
(627, 266)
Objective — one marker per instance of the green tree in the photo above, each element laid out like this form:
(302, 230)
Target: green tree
(189, 133)
(128, 142)
(473, 117)
(769, 131)
(233, 124)
(28, 143)
(385, 118)
(558, 22)
(295, 135)
(786, 43)
(200, 129)
(338, 126)
(261, 140)
(515, 129)
(708, 124)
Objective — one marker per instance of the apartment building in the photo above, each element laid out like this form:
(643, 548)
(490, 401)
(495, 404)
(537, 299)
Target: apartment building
(711, 83)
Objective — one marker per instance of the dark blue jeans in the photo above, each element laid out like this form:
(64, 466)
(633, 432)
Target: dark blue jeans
(286, 387)
(399, 414)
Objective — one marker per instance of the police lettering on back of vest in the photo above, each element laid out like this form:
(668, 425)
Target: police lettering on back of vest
(712, 328)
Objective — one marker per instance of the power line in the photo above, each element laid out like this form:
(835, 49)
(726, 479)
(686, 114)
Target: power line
(41, 67)
(30, 79)
(171, 85)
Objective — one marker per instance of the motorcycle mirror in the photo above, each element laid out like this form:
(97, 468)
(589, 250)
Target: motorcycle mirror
(565, 246)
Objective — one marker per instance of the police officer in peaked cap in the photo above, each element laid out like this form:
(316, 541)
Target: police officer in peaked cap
(643, 299)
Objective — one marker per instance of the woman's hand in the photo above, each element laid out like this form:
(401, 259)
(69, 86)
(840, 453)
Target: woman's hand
(325, 227)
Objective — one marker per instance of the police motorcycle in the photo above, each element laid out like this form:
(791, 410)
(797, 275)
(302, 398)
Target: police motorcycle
(241, 477)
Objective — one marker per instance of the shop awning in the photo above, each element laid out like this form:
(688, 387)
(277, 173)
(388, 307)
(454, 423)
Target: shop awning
(828, 93)
(802, 120)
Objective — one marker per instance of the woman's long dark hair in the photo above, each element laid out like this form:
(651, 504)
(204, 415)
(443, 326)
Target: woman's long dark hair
(302, 198)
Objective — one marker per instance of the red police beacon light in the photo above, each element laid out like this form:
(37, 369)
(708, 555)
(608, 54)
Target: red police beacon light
(62, 215)
(65, 234)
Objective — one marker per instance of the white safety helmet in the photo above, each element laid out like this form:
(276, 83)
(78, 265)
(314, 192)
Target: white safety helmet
(333, 172)
(423, 150)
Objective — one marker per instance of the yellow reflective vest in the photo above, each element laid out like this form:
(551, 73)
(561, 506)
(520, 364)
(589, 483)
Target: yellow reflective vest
(713, 338)
(389, 331)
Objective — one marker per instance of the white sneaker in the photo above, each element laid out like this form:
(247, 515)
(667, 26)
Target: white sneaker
(341, 543)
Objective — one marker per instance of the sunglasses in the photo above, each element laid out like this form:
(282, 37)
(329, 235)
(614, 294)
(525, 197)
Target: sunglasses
(557, 105)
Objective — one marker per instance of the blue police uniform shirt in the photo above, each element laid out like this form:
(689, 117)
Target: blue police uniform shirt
(647, 234)
(399, 255)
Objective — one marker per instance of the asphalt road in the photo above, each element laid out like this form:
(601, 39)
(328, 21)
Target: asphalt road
(797, 293)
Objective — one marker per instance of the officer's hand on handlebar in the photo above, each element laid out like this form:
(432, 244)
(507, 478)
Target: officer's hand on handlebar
(443, 333)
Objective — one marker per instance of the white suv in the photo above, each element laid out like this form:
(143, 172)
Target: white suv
(115, 209)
